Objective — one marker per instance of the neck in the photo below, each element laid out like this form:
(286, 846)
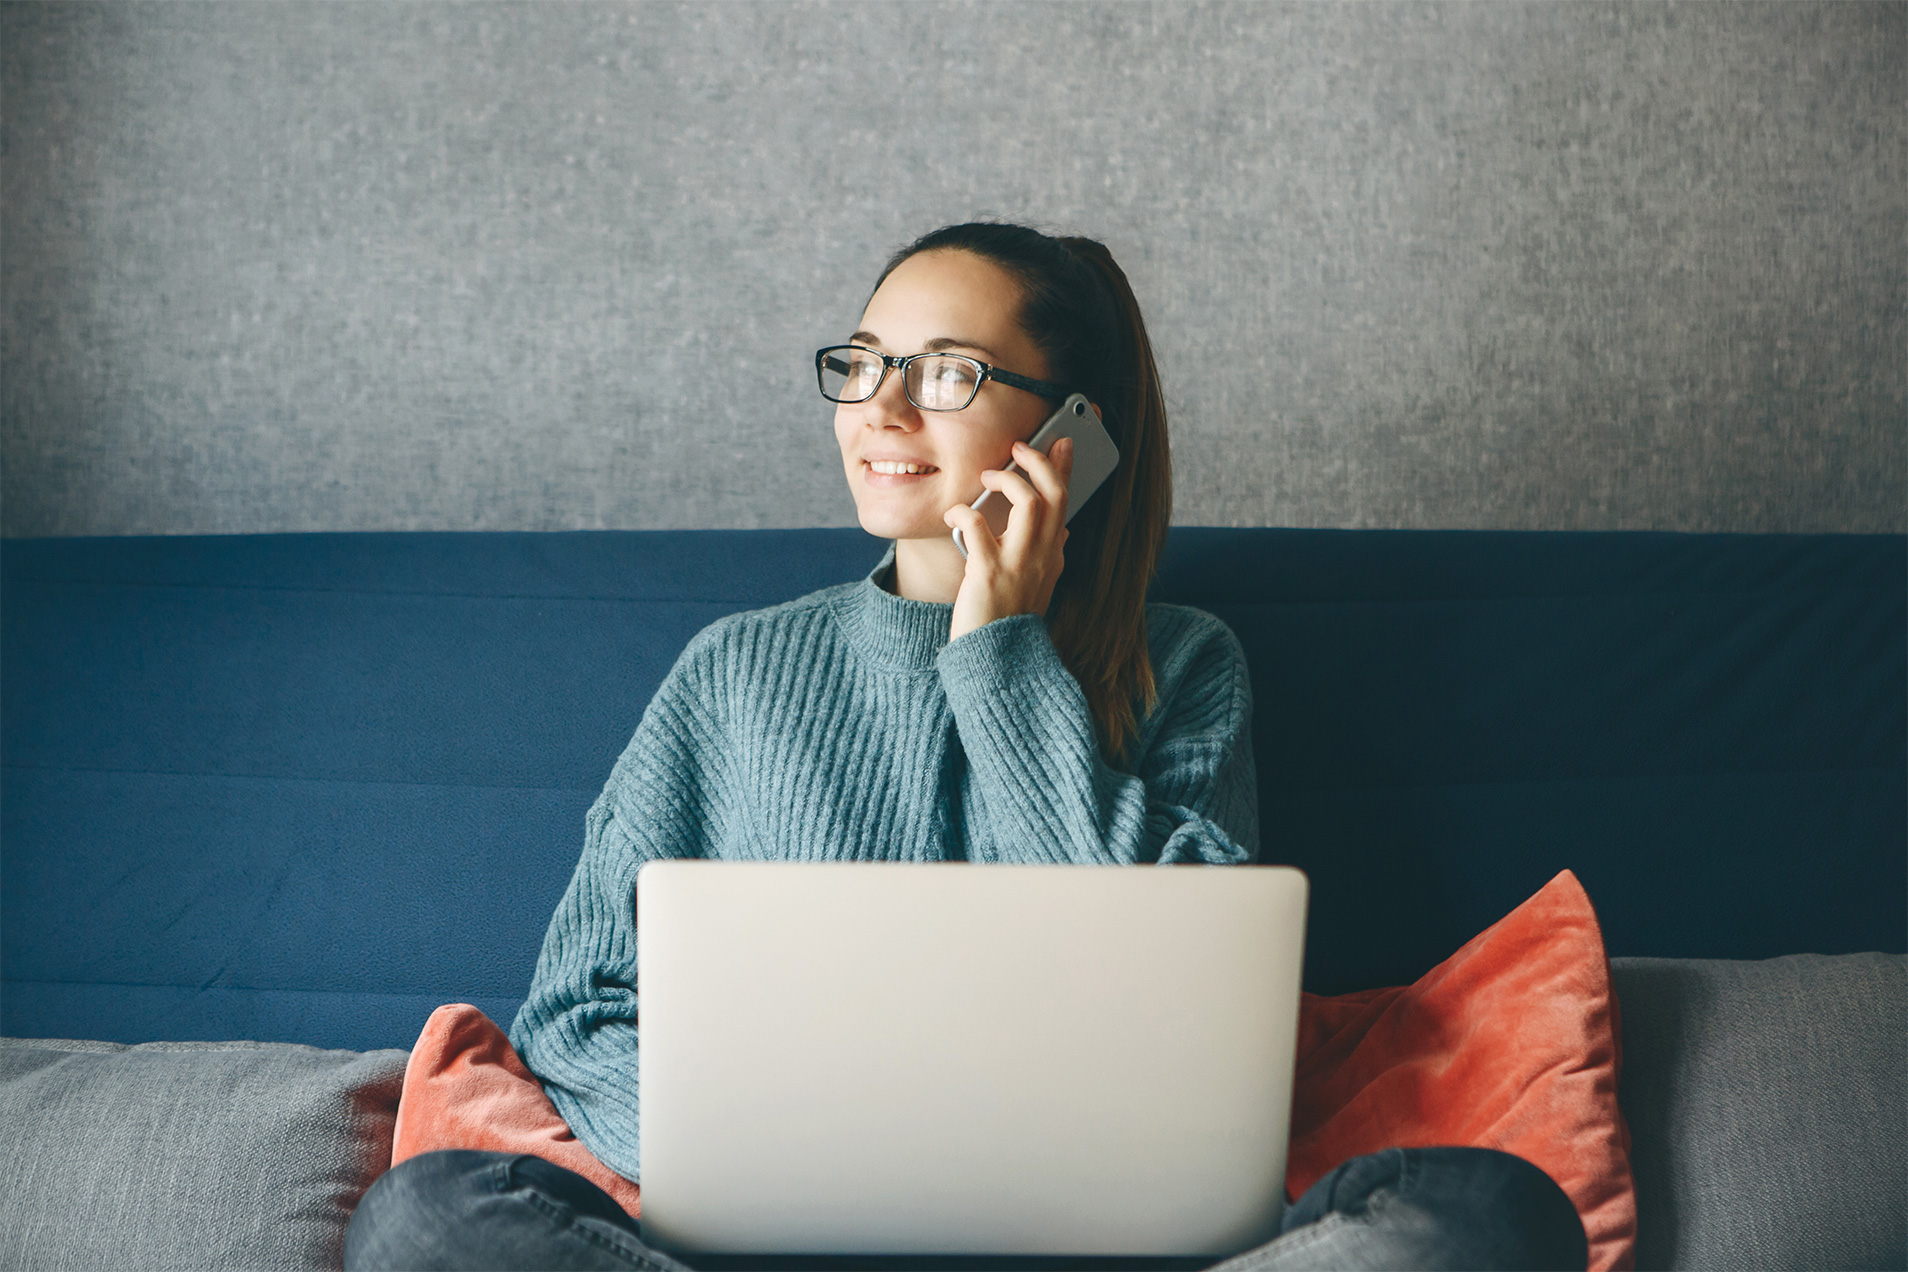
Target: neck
(928, 569)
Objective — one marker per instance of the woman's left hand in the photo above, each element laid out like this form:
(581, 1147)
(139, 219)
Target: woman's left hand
(1015, 573)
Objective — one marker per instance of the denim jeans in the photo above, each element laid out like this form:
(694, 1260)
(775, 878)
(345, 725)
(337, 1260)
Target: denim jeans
(1402, 1208)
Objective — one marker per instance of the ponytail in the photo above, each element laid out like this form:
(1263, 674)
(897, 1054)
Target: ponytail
(1099, 622)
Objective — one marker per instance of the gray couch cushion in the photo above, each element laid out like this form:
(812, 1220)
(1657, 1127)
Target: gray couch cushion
(1768, 1104)
(188, 1154)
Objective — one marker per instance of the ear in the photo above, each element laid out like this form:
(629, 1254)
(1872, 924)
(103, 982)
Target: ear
(1096, 413)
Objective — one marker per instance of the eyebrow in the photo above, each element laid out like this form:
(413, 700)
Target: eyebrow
(935, 345)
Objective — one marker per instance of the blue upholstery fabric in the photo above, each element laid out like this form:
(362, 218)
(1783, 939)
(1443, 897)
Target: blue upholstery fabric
(305, 787)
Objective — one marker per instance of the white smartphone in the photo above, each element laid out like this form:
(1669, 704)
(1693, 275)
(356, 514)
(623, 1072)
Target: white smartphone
(1094, 459)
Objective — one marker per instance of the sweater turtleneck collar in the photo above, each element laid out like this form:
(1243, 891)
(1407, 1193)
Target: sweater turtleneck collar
(891, 629)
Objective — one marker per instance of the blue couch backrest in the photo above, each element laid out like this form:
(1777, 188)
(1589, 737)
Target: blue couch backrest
(308, 787)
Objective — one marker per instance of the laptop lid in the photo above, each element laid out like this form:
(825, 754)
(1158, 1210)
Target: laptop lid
(861, 1058)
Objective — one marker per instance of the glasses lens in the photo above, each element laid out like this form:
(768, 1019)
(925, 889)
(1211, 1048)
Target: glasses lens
(942, 384)
(848, 375)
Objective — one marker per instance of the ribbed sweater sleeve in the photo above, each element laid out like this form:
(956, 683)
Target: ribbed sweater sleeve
(665, 797)
(1046, 795)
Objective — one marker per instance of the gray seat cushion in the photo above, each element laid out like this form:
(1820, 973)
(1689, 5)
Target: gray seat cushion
(188, 1154)
(1768, 1104)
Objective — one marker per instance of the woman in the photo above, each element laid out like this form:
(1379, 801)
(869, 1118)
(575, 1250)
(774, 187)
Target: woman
(1021, 704)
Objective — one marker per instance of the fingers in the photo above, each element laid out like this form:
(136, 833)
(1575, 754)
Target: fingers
(1043, 479)
(1018, 487)
(1049, 473)
(976, 535)
(1036, 493)
(1029, 511)
(1016, 572)
(1039, 495)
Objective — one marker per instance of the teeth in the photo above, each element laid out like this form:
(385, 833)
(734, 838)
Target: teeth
(895, 467)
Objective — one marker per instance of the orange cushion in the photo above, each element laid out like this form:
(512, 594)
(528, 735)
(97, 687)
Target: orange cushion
(466, 1087)
(1510, 1043)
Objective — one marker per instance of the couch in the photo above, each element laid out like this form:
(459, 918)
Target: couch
(299, 790)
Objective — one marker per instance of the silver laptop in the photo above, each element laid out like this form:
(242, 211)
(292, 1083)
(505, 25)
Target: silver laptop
(845, 1058)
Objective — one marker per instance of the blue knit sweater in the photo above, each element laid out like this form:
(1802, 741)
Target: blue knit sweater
(845, 726)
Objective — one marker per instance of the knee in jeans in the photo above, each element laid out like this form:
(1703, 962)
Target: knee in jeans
(413, 1202)
(428, 1180)
(1534, 1222)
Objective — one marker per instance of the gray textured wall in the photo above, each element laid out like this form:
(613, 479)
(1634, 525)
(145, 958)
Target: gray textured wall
(293, 267)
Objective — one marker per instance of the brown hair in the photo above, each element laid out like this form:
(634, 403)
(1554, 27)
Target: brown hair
(1079, 310)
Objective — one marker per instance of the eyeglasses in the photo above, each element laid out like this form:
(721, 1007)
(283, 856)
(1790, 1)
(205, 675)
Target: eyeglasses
(932, 381)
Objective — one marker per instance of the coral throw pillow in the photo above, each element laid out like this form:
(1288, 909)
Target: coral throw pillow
(466, 1087)
(1511, 1043)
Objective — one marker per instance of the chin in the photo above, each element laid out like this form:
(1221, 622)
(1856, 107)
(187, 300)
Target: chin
(897, 529)
(890, 530)
(883, 524)
(886, 525)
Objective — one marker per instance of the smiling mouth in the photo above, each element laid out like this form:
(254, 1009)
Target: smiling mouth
(895, 468)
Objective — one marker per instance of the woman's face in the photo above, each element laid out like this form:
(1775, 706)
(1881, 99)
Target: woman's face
(944, 301)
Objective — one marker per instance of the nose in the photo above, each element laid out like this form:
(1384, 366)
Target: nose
(890, 408)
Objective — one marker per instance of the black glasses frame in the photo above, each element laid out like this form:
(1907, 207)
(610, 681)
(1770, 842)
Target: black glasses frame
(889, 362)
